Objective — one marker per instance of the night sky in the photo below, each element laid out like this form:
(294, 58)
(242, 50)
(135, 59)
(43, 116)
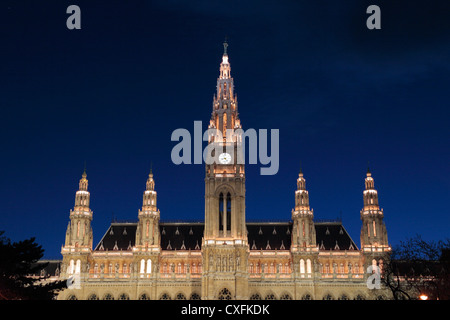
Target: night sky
(112, 93)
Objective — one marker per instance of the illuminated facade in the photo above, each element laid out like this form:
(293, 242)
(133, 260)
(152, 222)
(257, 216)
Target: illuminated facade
(225, 256)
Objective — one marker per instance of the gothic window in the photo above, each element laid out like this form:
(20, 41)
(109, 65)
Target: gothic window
(179, 268)
(327, 268)
(180, 296)
(302, 266)
(285, 296)
(308, 266)
(124, 296)
(270, 296)
(165, 296)
(142, 266)
(149, 266)
(144, 297)
(374, 229)
(195, 296)
(124, 268)
(110, 268)
(93, 297)
(341, 268)
(224, 294)
(255, 296)
(220, 210)
(356, 268)
(343, 297)
(228, 211)
(108, 296)
(328, 297)
(78, 266)
(72, 297)
(359, 297)
(306, 297)
(303, 228)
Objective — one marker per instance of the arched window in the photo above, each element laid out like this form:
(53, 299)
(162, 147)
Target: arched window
(93, 297)
(306, 297)
(270, 296)
(124, 296)
(328, 297)
(142, 266)
(255, 296)
(78, 267)
(343, 297)
(359, 297)
(221, 211)
(165, 296)
(72, 297)
(144, 296)
(228, 211)
(195, 296)
(285, 296)
(308, 265)
(224, 294)
(108, 296)
(180, 296)
(71, 267)
(149, 266)
(302, 266)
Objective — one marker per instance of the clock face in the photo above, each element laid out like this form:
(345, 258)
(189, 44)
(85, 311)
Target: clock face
(224, 158)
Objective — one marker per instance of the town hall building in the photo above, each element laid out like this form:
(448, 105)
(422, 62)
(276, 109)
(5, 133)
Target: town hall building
(224, 256)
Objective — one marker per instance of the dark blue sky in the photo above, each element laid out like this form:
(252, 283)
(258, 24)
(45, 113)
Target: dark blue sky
(112, 93)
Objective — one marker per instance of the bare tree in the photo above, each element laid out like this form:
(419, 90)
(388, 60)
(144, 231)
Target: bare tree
(417, 267)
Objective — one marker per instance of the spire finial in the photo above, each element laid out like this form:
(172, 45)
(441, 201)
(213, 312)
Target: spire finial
(151, 167)
(84, 171)
(225, 46)
(301, 172)
(368, 168)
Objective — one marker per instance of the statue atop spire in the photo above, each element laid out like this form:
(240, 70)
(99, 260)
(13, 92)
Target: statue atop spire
(225, 46)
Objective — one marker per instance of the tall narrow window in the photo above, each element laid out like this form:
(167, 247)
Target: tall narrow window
(220, 210)
(308, 266)
(303, 228)
(224, 124)
(149, 266)
(302, 266)
(374, 229)
(228, 212)
(142, 266)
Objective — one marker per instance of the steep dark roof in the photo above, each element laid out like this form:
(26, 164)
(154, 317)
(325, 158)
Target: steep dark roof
(119, 236)
(52, 267)
(333, 236)
(261, 236)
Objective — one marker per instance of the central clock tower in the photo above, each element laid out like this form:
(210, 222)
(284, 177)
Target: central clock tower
(225, 245)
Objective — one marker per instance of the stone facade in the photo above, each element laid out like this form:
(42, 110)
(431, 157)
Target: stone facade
(225, 256)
